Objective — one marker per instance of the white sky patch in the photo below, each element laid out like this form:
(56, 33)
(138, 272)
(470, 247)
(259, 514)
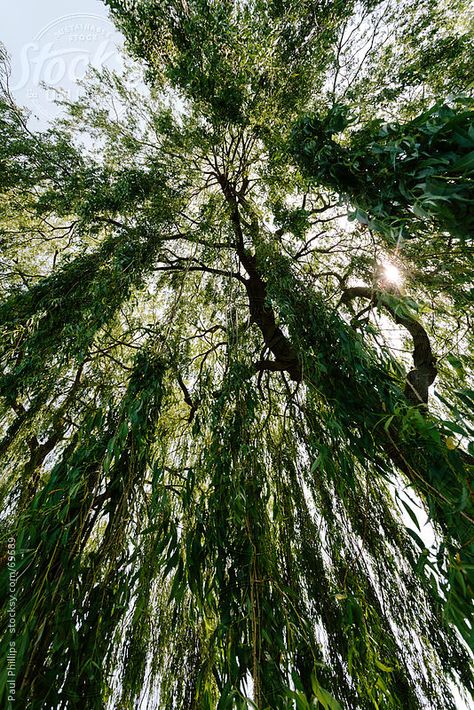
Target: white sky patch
(52, 45)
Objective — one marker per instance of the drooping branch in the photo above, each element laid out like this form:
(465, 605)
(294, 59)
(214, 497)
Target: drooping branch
(289, 357)
(424, 373)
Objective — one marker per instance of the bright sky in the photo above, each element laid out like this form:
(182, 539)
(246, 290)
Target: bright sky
(53, 42)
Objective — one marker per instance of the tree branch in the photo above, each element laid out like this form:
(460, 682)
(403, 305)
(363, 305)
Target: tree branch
(424, 373)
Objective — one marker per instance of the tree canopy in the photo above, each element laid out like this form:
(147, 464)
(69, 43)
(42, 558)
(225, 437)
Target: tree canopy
(236, 364)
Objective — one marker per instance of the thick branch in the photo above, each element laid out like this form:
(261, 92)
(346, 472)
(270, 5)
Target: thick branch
(261, 312)
(424, 373)
(187, 398)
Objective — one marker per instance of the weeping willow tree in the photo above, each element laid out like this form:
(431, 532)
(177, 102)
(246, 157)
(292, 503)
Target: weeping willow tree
(235, 357)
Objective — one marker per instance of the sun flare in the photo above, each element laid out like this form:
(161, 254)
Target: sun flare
(392, 274)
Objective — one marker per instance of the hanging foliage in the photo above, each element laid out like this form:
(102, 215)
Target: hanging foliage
(235, 421)
(396, 174)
